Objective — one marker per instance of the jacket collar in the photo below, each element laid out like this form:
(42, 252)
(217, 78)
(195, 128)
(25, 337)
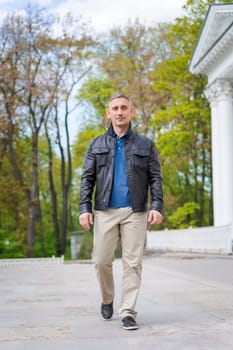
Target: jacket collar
(111, 132)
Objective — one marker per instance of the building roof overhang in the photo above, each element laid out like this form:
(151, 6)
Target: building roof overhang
(215, 41)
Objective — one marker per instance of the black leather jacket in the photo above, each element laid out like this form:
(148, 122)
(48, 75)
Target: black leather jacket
(142, 168)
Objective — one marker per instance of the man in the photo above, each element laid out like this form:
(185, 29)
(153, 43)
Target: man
(121, 165)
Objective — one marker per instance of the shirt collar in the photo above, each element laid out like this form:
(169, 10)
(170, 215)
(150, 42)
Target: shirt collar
(121, 137)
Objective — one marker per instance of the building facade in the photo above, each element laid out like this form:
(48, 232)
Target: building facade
(213, 57)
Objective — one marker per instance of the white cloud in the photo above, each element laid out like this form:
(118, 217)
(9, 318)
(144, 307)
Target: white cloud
(104, 14)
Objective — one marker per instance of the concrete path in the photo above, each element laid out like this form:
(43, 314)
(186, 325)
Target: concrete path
(186, 302)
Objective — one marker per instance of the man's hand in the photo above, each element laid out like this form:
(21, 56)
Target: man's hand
(154, 217)
(86, 220)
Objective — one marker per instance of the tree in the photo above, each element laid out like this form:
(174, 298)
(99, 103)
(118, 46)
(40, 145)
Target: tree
(37, 75)
(184, 123)
(28, 89)
(71, 51)
(125, 59)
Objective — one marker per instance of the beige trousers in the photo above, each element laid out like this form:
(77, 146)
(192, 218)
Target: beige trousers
(110, 226)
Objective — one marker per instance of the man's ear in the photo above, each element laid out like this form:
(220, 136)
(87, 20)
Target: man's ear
(133, 110)
(108, 113)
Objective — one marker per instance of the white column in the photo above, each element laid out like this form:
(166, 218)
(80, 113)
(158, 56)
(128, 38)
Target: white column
(216, 160)
(220, 96)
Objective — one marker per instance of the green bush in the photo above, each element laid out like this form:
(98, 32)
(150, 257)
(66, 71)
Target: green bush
(184, 216)
(86, 246)
(11, 246)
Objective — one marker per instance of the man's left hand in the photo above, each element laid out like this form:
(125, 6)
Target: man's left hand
(154, 217)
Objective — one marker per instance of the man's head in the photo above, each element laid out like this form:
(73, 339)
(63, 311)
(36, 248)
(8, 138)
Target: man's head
(120, 112)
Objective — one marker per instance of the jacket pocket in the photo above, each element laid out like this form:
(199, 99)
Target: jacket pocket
(141, 158)
(101, 154)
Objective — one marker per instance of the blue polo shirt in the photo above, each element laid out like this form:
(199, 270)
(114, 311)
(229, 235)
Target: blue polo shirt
(120, 191)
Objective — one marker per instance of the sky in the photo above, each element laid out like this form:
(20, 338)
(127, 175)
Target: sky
(105, 14)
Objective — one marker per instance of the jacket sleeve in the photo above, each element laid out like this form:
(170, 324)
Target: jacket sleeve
(87, 182)
(155, 181)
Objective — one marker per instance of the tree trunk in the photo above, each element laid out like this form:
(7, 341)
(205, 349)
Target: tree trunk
(33, 201)
(53, 196)
(66, 178)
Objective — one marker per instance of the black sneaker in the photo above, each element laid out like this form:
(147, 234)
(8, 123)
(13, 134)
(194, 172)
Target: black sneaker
(129, 323)
(107, 311)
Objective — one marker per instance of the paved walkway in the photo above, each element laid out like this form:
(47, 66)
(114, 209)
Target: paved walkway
(186, 302)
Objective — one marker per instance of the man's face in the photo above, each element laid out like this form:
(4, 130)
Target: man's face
(120, 112)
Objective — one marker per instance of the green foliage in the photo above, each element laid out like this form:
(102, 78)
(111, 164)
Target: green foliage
(184, 216)
(183, 127)
(82, 142)
(10, 245)
(45, 245)
(97, 92)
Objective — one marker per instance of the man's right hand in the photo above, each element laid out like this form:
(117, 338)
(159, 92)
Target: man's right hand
(86, 220)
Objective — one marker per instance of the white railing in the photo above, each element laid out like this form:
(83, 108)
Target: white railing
(214, 239)
(32, 261)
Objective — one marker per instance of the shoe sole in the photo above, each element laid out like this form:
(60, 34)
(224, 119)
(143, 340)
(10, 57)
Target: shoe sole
(105, 319)
(130, 328)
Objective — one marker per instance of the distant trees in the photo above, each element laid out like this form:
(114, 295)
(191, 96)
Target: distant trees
(38, 77)
(151, 65)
